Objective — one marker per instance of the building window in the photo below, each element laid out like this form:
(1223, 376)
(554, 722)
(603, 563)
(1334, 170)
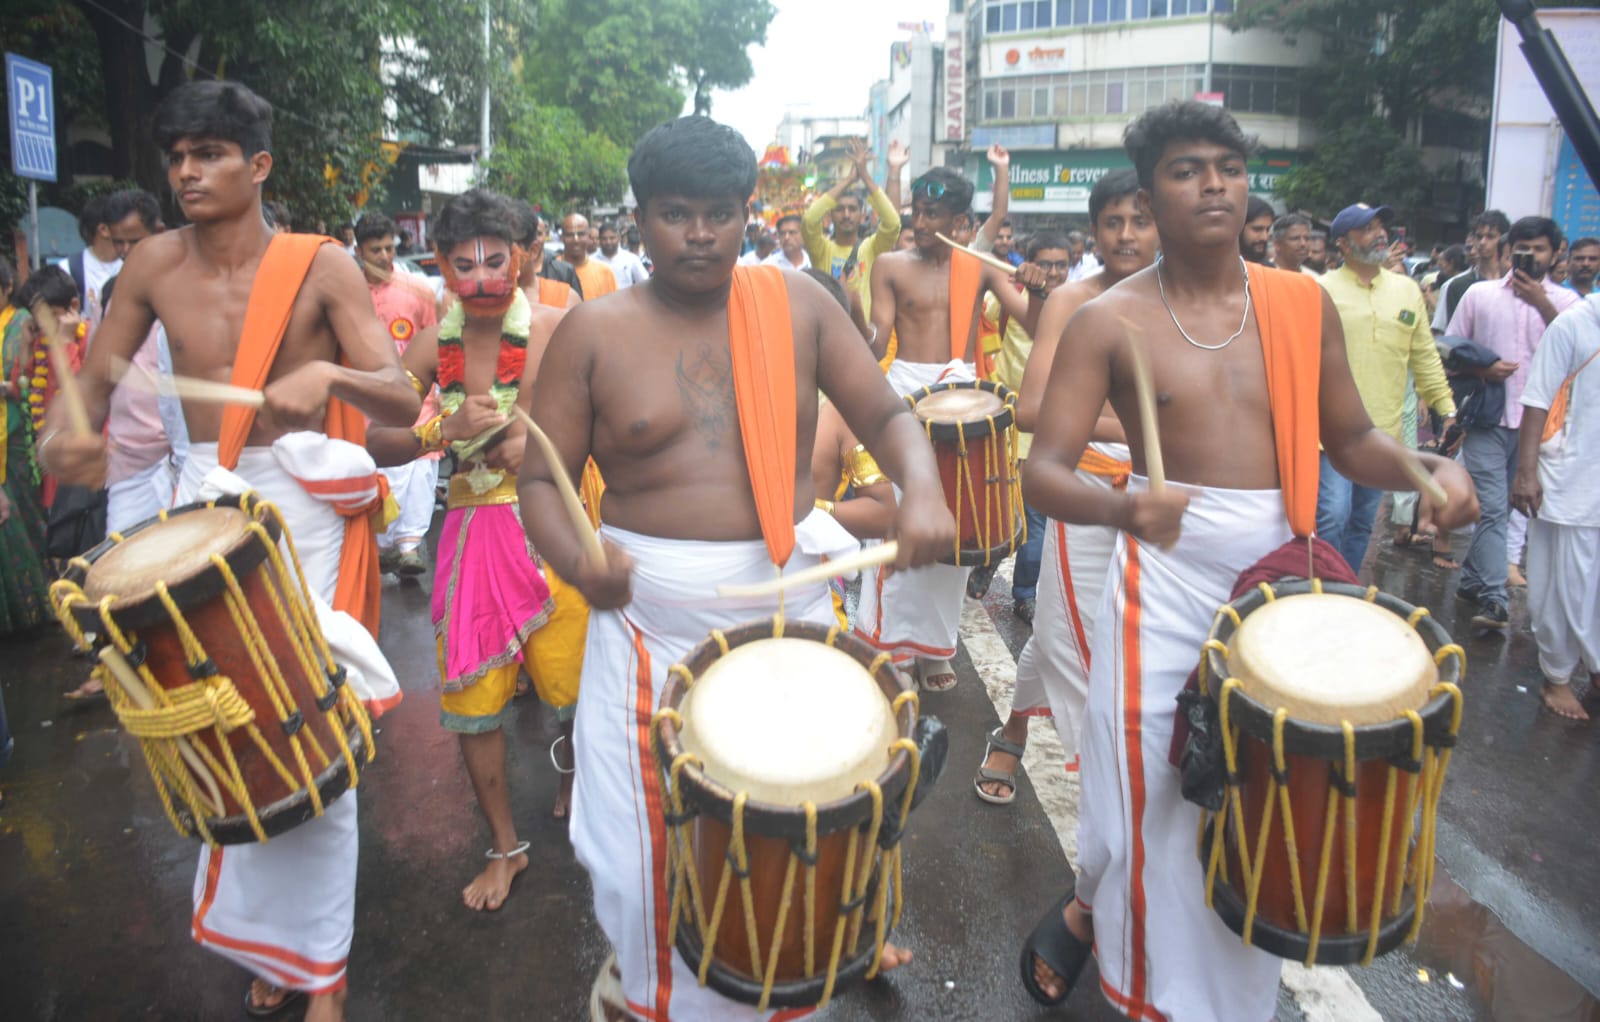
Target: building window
(1003, 16)
(1131, 91)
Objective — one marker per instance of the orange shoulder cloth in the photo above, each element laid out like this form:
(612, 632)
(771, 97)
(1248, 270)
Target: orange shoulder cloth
(965, 277)
(1288, 310)
(761, 343)
(277, 283)
(553, 292)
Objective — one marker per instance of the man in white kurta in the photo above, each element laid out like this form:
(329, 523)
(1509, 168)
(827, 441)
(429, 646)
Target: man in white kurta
(1558, 487)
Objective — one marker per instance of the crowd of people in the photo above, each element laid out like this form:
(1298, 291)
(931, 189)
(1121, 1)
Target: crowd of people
(672, 355)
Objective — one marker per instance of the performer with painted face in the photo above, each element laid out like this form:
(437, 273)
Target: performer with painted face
(493, 611)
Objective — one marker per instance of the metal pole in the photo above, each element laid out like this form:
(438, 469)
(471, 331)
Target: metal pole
(483, 121)
(1211, 42)
(33, 222)
(1560, 84)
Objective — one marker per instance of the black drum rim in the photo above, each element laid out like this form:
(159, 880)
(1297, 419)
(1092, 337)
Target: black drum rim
(977, 429)
(287, 813)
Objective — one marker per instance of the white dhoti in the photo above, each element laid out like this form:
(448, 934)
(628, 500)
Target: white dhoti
(617, 828)
(915, 613)
(142, 495)
(285, 909)
(413, 486)
(1053, 670)
(1564, 597)
(1162, 953)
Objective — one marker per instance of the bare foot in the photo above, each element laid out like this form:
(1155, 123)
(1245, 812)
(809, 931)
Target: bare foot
(1081, 924)
(936, 675)
(1515, 579)
(563, 806)
(488, 890)
(893, 957)
(1560, 701)
(1445, 561)
(326, 1007)
(87, 690)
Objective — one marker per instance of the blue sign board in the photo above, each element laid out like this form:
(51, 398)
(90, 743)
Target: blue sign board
(32, 108)
(1575, 205)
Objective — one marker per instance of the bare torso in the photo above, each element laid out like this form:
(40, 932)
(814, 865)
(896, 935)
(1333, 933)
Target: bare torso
(921, 290)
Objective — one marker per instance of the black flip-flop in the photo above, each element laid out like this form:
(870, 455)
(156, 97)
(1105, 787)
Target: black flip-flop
(1054, 944)
(255, 1010)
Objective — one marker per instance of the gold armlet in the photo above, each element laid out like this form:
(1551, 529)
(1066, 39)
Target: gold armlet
(430, 435)
(862, 468)
(416, 384)
(825, 506)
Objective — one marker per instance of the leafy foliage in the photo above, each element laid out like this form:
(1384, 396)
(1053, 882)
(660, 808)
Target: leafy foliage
(1353, 163)
(546, 156)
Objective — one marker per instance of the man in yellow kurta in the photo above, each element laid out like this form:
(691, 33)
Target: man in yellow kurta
(847, 256)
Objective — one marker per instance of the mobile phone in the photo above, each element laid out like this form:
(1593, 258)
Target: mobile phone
(1400, 233)
(1522, 261)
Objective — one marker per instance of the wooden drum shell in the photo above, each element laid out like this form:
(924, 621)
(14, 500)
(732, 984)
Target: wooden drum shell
(982, 480)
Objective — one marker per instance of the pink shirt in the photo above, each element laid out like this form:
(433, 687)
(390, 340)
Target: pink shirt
(1491, 314)
(403, 307)
(133, 424)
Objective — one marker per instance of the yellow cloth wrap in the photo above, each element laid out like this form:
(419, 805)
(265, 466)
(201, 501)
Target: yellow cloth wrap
(485, 698)
(430, 435)
(461, 494)
(553, 655)
(592, 487)
(862, 468)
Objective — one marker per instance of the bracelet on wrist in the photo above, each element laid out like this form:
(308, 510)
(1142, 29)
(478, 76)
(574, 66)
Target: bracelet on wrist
(38, 450)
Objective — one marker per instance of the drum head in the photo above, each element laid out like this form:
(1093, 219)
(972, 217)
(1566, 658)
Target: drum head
(788, 720)
(1328, 658)
(959, 404)
(169, 551)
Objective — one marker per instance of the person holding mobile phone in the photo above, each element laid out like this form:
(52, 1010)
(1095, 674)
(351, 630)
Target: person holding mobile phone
(1508, 316)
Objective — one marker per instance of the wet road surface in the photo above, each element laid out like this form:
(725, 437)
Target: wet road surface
(95, 887)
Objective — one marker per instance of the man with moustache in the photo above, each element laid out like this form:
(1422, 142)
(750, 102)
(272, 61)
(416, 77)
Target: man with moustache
(1258, 221)
(626, 266)
(595, 276)
(1583, 264)
(1291, 242)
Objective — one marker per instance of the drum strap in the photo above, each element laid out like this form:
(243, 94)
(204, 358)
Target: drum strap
(761, 346)
(1289, 316)
(966, 274)
(277, 283)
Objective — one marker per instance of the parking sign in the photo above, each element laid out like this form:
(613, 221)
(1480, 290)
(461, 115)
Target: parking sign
(32, 108)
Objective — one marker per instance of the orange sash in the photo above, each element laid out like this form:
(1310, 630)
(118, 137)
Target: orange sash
(282, 271)
(761, 344)
(1288, 310)
(553, 292)
(965, 276)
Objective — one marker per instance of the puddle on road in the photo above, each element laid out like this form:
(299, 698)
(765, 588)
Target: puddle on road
(1514, 982)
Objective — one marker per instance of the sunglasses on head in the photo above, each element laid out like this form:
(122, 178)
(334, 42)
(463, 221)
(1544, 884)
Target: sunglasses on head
(923, 187)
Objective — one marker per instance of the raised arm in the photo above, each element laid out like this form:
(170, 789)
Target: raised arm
(897, 159)
(1000, 205)
(1026, 307)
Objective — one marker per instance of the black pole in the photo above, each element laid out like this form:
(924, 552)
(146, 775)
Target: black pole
(1560, 85)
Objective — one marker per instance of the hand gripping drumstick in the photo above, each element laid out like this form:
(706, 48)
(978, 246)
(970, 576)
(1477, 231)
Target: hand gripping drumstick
(50, 326)
(569, 495)
(982, 257)
(1427, 485)
(188, 387)
(868, 558)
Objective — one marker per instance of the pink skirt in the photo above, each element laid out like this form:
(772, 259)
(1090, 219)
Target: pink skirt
(488, 595)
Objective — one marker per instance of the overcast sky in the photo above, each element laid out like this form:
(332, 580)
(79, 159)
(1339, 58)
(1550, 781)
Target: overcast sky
(821, 58)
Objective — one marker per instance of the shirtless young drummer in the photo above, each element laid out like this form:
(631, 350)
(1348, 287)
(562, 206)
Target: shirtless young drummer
(931, 298)
(647, 382)
(1244, 387)
(198, 281)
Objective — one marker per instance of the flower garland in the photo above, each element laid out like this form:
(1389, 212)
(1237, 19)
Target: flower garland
(452, 369)
(42, 384)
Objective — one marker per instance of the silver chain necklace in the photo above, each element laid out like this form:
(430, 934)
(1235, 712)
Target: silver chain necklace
(1206, 347)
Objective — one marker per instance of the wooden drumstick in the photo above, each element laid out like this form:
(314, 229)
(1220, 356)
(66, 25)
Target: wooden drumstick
(982, 257)
(50, 327)
(1426, 484)
(187, 387)
(871, 557)
(131, 684)
(569, 494)
(1145, 389)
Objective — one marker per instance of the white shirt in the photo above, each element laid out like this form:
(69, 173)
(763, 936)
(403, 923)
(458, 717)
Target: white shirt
(97, 273)
(750, 259)
(1088, 266)
(779, 259)
(1567, 461)
(625, 266)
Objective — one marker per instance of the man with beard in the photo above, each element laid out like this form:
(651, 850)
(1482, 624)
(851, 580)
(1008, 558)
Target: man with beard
(595, 276)
(929, 298)
(405, 308)
(626, 266)
(791, 254)
(1583, 264)
(1508, 316)
(1053, 669)
(289, 316)
(1243, 403)
(1258, 220)
(1386, 337)
(1317, 252)
(696, 393)
(1291, 242)
(847, 256)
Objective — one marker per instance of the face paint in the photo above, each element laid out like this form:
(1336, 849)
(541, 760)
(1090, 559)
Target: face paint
(484, 298)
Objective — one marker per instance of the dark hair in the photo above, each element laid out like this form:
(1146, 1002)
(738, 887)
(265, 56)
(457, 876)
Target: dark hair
(221, 110)
(1456, 256)
(830, 285)
(788, 217)
(51, 283)
(277, 214)
(632, 237)
(1283, 224)
(89, 221)
(607, 225)
(1006, 222)
(374, 225)
(1584, 242)
(1490, 218)
(1147, 138)
(8, 277)
(1257, 207)
(957, 197)
(478, 213)
(1531, 227)
(694, 157)
(1112, 186)
(118, 206)
(1047, 239)
(525, 222)
(856, 194)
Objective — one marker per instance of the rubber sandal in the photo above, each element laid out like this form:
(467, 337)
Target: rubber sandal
(1054, 944)
(938, 669)
(255, 1010)
(606, 1000)
(998, 743)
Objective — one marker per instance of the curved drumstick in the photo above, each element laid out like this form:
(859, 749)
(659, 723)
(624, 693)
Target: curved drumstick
(50, 327)
(569, 495)
(1145, 389)
(868, 558)
(982, 257)
(190, 388)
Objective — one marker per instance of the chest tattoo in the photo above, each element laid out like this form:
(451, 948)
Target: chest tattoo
(705, 382)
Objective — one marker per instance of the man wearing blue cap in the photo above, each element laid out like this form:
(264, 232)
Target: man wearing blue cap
(1386, 334)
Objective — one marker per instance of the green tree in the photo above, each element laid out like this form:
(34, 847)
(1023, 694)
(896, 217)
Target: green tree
(546, 156)
(1353, 163)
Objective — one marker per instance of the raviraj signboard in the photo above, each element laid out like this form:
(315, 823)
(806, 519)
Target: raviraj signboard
(1060, 182)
